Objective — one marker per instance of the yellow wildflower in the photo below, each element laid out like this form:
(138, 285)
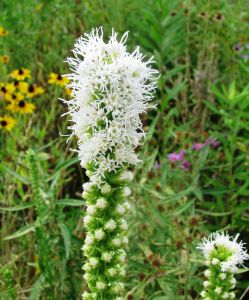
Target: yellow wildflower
(7, 123)
(22, 86)
(9, 88)
(3, 32)
(21, 106)
(58, 79)
(31, 90)
(4, 59)
(20, 74)
(13, 97)
(68, 92)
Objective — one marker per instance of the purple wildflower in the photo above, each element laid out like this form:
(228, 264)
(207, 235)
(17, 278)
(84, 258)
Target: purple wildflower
(186, 165)
(213, 142)
(247, 46)
(198, 146)
(245, 56)
(176, 156)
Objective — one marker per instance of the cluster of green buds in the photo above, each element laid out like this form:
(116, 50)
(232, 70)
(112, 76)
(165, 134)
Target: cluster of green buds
(223, 254)
(106, 237)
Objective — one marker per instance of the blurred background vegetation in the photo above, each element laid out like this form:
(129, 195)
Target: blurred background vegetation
(202, 51)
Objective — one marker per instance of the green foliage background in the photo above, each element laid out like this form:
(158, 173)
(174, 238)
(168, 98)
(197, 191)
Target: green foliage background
(203, 92)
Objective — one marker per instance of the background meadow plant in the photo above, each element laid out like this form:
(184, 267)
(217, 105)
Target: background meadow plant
(200, 50)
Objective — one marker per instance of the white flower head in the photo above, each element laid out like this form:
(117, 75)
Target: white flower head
(235, 251)
(110, 89)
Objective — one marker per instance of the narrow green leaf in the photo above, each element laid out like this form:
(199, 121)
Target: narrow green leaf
(23, 179)
(66, 237)
(37, 288)
(70, 202)
(22, 231)
(17, 208)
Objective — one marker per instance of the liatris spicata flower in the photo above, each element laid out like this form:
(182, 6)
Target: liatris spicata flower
(110, 89)
(223, 255)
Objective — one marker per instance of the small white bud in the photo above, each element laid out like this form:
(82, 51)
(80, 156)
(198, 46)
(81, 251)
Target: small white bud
(87, 220)
(100, 285)
(119, 287)
(223, 276)
(87, 187)
(125, 240)
(106, 189)
(123, 225)
(101, 203)
(203, 294)
(99, 234)
(127, 205)
(126, 191)
(225, 295)
(93, 261)
(89, 239)
(126, 176)
(218, 290)
(112, 272)
(206, 284)
(232, 295)
(215, 261)
(107, 256)
(120, 209)
(110, 225)
(86, 267)
(233, 281)
(207, 273)
(122, 257)
(91, 210)
(116, 242)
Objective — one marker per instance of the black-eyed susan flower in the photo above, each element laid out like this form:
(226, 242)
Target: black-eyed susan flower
(21, 85)
(21, 106)
(7, 123)
(57, 79)
(9, 88)
(20, 74)
(3, 31)
(13, 97)
(31, 90)
(4, 59)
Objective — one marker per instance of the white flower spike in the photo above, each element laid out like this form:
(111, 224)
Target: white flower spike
(110, 89)
(223, 255)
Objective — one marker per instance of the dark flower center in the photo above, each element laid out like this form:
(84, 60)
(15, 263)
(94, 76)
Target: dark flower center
(16, 83)
(59, 77)
(20, 72)
(13, 96)
(31, 88)
(3, 89)
(21, 103)
(3, 123)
